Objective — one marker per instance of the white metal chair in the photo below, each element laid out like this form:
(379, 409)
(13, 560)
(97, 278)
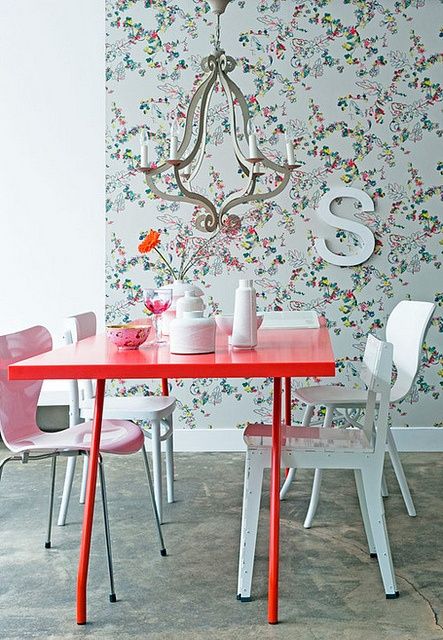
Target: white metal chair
(405, 329)
(22, 436)
(157, 410)
(361, 449)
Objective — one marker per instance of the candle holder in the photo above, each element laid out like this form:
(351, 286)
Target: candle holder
(147, 170)
(254, 160)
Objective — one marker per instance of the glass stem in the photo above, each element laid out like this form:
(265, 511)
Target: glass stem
(158, 328)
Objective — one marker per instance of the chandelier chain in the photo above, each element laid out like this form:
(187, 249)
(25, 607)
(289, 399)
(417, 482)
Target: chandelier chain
(217, 34)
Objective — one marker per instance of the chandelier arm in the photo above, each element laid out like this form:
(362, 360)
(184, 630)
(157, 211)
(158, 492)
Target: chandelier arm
(202, 93)
(188, 129)
(237, 195)
(244, 197)
(230, 88)
(162, 194)
(211, 220)
(205, 130)
(244, 107)
(255, 196)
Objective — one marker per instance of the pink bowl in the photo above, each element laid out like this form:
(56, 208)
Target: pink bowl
(127, 336)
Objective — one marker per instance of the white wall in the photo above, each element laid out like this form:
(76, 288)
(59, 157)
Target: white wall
(51, 162)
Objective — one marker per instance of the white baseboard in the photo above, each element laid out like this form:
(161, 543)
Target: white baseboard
(418, 438)
(229, 440)
(406, 438)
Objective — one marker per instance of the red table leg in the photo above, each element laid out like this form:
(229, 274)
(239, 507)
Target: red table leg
(287, 408)
(88, 514)
(288, 400)
(274, 525)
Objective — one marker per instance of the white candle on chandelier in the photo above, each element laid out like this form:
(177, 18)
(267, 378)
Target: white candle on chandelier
(144, 149)
(289, 136)
(173, 155)
(252, 137)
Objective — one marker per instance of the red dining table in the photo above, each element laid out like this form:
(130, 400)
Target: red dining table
(280, 353)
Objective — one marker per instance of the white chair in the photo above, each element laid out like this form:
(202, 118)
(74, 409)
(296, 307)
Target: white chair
(311, 447)
(405, 329)
(157, 410)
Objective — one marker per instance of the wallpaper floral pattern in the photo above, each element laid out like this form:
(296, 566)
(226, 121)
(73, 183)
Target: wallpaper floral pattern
(360, 84)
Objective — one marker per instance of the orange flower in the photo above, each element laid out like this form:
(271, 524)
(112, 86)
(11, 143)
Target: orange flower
(151, 241)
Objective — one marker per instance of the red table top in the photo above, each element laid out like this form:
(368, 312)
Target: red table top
(279, 353)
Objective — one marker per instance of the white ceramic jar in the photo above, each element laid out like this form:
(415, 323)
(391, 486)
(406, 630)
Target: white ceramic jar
(188, 302)
(178, 290)
(192, 334)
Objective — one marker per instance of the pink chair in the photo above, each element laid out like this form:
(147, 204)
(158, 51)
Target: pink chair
(22, 436)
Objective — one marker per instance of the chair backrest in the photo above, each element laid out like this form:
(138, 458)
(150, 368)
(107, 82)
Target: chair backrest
(405, 329)
(19, 398)
(79, 327)
(376, 373)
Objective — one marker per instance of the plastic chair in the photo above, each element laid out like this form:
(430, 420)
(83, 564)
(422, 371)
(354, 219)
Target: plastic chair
(405, 329)
(157, 410)
(22, 436)
(361, 449)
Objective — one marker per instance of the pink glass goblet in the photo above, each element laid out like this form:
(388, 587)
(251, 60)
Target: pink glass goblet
(157, 301)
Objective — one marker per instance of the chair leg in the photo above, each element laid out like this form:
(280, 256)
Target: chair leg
(316, 485)
(254, 466)
(170, 467)
(84, 479)
(401, 478)
(4, 462)
(384, 486)
(156, 467)
(315, 497)
(51, 502)
(364, 512)
(291, 472)
(376, 514)
(67, 487)
(112, 596)
(154, 505)
(287, 483)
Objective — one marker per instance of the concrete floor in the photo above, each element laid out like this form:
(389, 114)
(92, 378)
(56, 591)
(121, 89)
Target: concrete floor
(330, 588)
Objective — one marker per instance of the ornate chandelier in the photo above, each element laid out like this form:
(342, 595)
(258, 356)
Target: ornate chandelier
(186, 158)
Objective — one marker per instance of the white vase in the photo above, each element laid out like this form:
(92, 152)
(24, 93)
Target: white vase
(244, 330)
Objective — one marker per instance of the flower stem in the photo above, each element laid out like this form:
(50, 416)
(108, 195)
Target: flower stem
(170, 269)
(191, 260)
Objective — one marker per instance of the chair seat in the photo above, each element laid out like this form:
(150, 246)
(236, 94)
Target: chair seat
(329, 395)
(117, 436)
(131, 407)
(308, 438)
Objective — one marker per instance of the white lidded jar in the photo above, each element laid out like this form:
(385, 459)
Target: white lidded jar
(178, 288)
(189, 302)
(244, 330)
(192, 333)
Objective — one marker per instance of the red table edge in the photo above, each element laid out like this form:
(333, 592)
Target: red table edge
(22, 371)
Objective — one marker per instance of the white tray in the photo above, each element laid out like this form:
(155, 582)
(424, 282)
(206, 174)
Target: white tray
(290, 320)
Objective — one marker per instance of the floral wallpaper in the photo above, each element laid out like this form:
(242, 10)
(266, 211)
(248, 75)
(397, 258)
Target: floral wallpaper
(360, 84)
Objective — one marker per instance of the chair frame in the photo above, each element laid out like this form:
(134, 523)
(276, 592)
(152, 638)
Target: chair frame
(25, 456)
(79, 327)
(367, 466)
(406, 337)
